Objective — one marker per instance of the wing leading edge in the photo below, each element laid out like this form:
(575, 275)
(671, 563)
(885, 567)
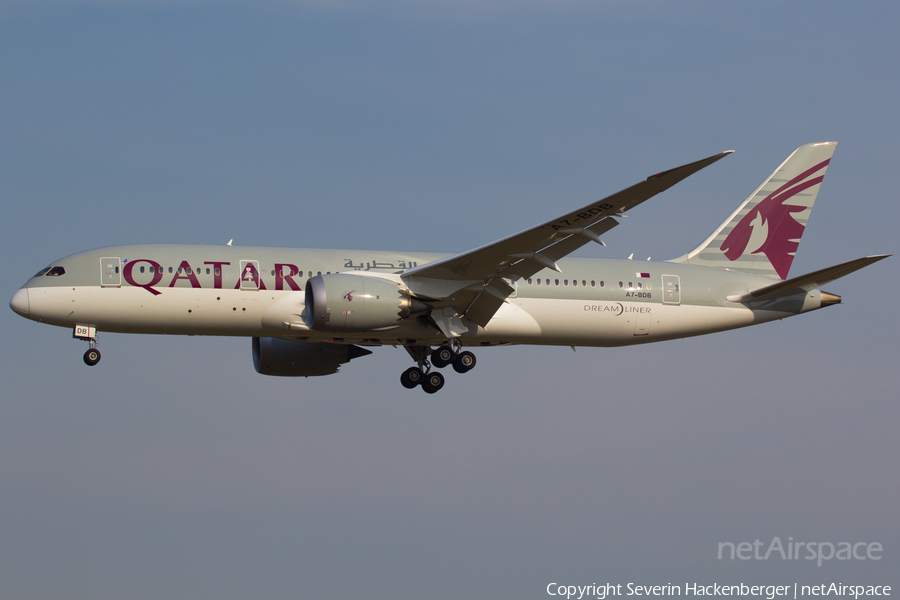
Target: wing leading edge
(476, 283)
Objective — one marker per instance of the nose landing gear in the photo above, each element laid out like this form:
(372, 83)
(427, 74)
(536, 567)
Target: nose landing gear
(89, 334)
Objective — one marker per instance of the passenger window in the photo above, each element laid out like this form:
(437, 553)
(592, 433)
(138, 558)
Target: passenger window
(556, 281)
(218, 271)
(170, 269)
(602, 283)
(566, 282)
(594, 283)
(142, 269)
(539, 282)
(529, 281)
(621, 285)
(640, 285)
(583, 283)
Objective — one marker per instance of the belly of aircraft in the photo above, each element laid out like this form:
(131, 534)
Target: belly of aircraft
(134, 310)
(610, 323)
(545, 321)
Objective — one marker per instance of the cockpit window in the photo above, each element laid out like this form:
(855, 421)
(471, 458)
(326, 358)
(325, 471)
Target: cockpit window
(41, 272)
(56, 272)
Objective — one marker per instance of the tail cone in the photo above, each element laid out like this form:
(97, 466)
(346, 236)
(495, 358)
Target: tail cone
(829, 299)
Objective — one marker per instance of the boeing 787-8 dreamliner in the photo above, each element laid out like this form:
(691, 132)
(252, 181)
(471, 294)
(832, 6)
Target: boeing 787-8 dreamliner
(310, 311)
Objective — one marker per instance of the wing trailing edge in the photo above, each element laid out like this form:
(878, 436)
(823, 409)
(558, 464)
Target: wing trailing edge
(473, 282)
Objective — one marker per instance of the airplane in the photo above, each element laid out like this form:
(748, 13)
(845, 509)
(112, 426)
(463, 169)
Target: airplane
(309, 311)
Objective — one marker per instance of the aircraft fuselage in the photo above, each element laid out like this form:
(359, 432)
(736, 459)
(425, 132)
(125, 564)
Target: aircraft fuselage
(209, 290)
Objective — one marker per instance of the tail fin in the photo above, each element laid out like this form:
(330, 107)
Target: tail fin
(763, 234)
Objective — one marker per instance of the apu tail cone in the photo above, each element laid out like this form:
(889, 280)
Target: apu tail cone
(829, 299)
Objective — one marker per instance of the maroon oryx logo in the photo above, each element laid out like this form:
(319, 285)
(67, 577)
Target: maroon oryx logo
(349, 295)
(770, 226)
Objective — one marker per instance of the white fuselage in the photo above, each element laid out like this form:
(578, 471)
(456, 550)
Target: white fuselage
(198, 290)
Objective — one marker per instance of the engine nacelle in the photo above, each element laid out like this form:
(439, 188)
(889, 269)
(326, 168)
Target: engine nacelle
(286, 358)
(346, 302)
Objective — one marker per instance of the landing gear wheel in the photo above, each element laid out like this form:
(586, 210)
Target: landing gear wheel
(464, 362)
(409, 379)
(433, 382)
(92, 357)
(442, 356)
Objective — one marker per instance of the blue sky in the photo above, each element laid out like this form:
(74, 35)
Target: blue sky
(173, 470)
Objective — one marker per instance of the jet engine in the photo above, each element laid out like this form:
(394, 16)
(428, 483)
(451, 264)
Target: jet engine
(286, 358)
(345, 302)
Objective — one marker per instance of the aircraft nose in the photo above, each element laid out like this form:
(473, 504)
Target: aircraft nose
(19, 302)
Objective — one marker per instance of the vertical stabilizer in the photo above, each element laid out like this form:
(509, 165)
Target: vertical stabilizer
(763, 234)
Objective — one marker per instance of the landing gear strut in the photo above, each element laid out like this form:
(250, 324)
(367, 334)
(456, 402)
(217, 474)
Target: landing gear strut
(442, 356)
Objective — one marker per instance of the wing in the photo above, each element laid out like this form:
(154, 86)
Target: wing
(475, 283)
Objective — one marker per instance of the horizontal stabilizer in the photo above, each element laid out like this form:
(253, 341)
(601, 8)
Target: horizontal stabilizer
(808, 282)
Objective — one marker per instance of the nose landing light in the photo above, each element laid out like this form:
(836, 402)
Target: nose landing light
(19, 302)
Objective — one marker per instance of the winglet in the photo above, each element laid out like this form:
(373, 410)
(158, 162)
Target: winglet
(695, 166)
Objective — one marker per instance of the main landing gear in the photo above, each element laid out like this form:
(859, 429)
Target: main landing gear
(432, 381)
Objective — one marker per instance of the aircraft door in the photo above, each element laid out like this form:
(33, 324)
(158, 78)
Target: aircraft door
(110, 272)
(671, 289)
(249, 274)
